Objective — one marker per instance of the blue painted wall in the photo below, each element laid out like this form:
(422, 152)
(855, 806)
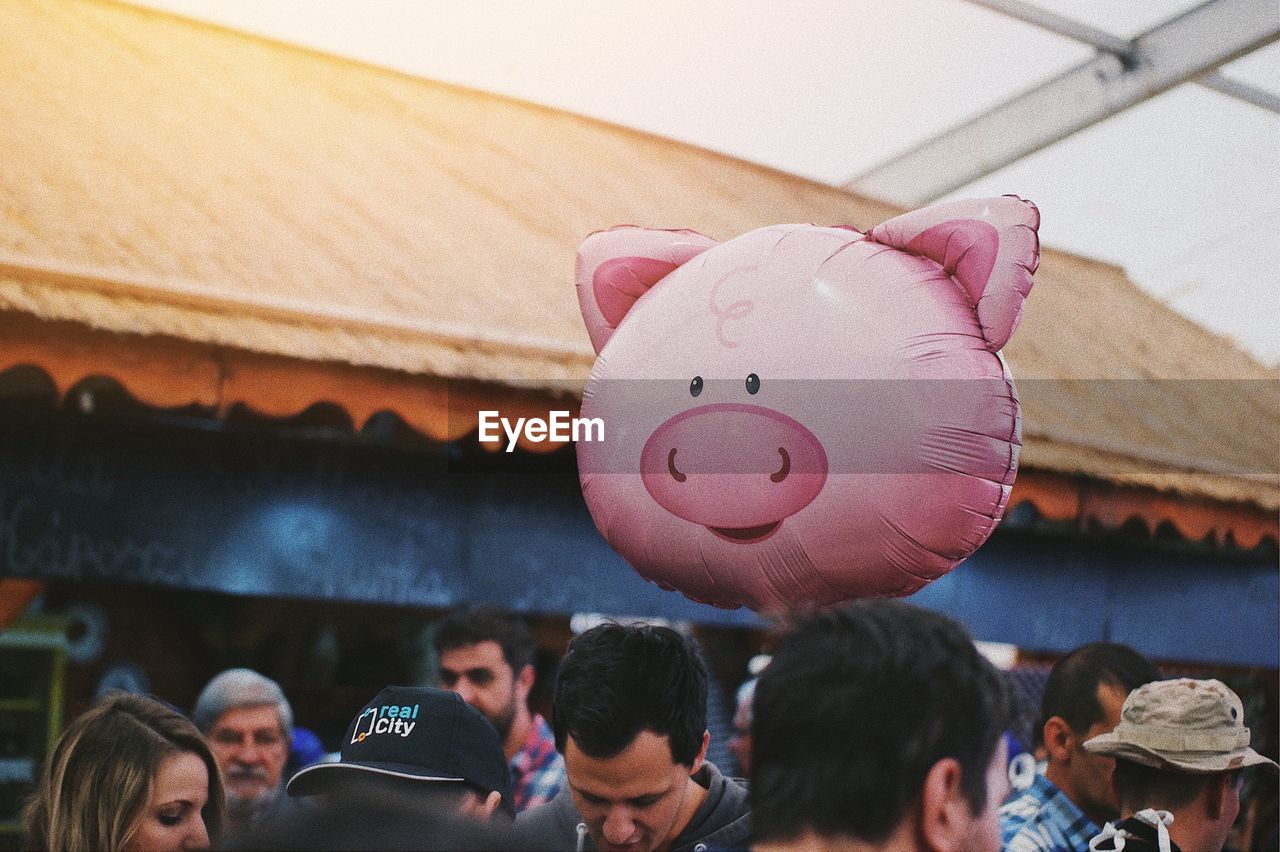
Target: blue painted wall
(263, 513)
(1053, 593)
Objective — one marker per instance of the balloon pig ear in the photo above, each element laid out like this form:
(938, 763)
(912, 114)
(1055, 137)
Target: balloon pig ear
(988, 245)
(618, 266)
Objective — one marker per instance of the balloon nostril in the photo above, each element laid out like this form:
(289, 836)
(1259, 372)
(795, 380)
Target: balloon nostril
(671, 467)
(785, 469)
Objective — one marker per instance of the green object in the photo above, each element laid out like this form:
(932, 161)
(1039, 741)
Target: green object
(33, 659)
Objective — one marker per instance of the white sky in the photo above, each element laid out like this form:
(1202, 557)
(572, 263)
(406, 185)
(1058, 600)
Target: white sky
(1183, 190)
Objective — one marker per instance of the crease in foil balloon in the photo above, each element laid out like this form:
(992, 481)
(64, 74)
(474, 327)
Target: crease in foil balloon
(805, 414)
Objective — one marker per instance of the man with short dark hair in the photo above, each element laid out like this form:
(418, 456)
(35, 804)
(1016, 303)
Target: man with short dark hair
(630, 716)
(1179, 750)
(1072, 799)
(487, 658)
(878, 726)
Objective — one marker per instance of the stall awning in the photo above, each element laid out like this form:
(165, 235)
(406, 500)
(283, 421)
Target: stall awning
(208, 217)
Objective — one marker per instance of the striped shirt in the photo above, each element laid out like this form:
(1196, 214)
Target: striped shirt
(1043, 819)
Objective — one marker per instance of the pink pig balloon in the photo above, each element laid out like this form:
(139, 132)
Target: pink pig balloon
(804, 415)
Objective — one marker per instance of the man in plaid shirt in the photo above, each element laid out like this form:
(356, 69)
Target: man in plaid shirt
(487, 658)
(1043, 818)
(1068, 802)
(537, 769)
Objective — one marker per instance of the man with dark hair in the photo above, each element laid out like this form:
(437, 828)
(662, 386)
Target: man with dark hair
(487, 658)
(1068, 803)
(1179, 750)
(630, 713)
(878, 726)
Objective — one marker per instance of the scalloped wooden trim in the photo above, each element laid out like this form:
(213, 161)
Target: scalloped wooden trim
(160, 372)
(1061, 497)
(1056, 498)
(1193, 518)
(170, 373)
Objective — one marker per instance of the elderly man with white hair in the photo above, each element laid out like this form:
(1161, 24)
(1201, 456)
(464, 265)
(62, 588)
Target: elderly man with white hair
(249, 725)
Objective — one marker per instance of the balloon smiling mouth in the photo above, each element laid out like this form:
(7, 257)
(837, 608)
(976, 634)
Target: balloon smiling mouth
(746, 535)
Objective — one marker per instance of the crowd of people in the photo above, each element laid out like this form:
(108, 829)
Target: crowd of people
(874, 726)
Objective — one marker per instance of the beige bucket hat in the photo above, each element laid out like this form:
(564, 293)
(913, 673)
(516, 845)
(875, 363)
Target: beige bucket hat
(1184, 725)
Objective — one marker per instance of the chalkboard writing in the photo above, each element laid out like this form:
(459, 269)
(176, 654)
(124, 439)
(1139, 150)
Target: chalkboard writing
(274, 514)
(34, 542)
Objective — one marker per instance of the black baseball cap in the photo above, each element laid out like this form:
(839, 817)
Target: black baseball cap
(415, 733)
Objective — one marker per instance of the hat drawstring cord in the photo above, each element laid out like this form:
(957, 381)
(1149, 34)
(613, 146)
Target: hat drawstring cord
(1109, 832)
(1159, 820)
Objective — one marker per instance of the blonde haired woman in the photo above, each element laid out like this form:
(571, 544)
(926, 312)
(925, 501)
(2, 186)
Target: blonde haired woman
(130, 774)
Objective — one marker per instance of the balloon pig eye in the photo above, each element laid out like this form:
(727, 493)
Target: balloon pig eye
(753, 384)
(695, 386)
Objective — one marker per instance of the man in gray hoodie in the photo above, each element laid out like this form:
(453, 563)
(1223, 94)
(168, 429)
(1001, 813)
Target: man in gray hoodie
(630, 718)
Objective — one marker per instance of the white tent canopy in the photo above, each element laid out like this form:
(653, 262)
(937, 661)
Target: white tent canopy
(1153, 141)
